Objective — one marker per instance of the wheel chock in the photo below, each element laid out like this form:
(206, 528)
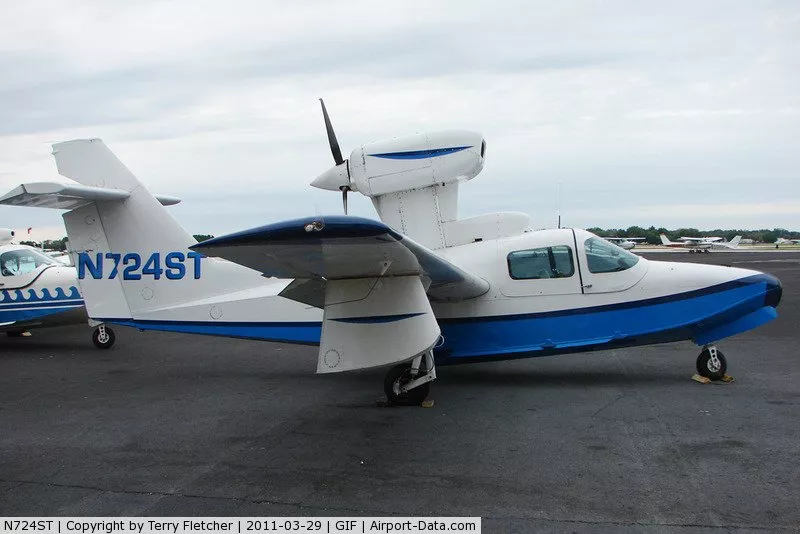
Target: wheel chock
(727, 379)
(427, 404)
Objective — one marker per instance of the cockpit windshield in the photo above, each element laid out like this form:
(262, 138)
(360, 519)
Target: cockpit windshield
(605, 257)
(22, 261)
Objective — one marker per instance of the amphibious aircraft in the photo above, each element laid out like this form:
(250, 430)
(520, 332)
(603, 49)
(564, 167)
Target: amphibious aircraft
(36, 291)
(391, 293)
(702, 244)
(626, 243)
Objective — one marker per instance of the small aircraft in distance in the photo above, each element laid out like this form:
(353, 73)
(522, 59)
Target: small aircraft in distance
(391, 293)
(626, 243)
(701, 244)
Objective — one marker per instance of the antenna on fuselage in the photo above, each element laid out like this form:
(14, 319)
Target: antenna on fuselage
(558, 208)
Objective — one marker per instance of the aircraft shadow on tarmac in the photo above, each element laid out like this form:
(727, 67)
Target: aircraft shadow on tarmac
(532, 378)
(37, 346)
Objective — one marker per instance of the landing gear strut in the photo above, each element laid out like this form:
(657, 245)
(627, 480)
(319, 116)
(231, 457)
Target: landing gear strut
(103, 337)
(711, 363)
(409, 384)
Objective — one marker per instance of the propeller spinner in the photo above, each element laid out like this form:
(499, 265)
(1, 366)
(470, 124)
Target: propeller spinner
(336, 178)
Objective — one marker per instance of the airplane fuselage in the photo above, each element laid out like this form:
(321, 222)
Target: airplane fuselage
(551, 292)
(41, 296)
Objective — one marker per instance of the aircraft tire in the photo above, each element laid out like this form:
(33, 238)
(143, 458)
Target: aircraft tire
(105, 343)
(398, 375)
(706, 368)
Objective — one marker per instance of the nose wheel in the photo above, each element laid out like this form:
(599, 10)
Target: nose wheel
(408, 384)
(711, 363)
(103, 337)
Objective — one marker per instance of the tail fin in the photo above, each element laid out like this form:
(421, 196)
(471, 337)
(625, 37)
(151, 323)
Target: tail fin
(734, 243)
(90, 162)
(132, 256)
(665, 240)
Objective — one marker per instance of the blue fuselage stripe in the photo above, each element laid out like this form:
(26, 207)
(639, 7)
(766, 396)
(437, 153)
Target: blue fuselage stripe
(704, 316)
(33, 305)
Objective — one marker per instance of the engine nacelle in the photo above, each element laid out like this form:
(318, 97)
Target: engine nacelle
(416, 161)
(407, 163)
(6, 235)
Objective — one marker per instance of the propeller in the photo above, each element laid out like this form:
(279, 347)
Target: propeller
(338, 177)
(335, 150)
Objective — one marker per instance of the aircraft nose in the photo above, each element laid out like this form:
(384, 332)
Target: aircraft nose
(774, 291)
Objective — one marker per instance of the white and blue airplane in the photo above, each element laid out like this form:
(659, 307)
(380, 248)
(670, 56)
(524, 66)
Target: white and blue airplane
(37, 291)
(390, 293)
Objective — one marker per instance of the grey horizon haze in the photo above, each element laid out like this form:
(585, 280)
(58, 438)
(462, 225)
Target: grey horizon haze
(684, 114)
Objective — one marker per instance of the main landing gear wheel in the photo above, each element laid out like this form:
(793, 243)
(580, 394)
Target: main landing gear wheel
(711, 363)
(103, 337)
(408, 384)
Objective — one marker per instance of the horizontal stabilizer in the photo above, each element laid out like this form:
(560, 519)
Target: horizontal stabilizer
(67, 196)
(341, 248)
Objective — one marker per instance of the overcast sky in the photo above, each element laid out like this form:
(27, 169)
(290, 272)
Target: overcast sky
(666, 113)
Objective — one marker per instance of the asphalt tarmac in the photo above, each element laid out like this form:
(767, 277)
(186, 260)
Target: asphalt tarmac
(614, 441)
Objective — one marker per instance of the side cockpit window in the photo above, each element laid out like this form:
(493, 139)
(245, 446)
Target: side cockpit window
(605, 257)
(541, 263)
(17, 262)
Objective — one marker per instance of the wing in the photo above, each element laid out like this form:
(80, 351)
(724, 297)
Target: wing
(317, 250)
(374, 284)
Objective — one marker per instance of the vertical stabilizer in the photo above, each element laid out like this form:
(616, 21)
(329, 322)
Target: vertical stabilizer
(132, 256)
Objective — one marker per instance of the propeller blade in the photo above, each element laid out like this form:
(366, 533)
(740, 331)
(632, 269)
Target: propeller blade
(335, 150)
(344, 198)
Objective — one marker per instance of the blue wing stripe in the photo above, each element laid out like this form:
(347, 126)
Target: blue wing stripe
(378, 319)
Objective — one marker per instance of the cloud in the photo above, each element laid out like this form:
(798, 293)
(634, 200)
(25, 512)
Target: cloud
(625, 104)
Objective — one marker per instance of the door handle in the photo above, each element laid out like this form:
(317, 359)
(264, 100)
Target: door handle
(587, 286)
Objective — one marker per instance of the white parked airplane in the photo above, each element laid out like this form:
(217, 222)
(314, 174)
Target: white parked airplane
(36, 291)
(702, 244)
(389, 293)
(784, 241)
(627, 243)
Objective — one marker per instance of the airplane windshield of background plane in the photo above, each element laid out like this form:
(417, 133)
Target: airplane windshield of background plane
(22, 261)
(605, 257)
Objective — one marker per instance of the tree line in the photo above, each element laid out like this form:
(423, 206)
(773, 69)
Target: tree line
(652, 234)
